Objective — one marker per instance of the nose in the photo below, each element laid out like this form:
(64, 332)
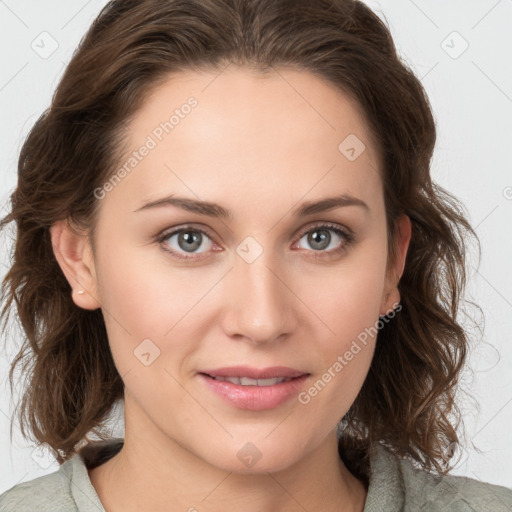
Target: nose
(260, 307)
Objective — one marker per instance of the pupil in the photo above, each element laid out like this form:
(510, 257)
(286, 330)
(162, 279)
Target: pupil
(320, 237)
(192, 239)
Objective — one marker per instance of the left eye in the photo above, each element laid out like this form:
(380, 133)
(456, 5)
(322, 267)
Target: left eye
(319, 238)
(189, 240)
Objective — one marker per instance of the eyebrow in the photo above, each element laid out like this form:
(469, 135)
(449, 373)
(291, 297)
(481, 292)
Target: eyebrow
(215, 210)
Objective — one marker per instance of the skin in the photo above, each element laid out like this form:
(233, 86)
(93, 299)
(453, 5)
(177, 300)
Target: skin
(259, 145)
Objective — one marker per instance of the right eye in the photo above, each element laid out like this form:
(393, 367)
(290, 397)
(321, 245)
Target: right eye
(185, 240)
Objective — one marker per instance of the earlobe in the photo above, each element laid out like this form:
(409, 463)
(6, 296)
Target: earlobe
(402, 239)
(74, 256)
(390, 302)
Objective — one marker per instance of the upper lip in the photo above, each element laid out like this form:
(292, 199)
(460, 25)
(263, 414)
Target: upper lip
(254, 373)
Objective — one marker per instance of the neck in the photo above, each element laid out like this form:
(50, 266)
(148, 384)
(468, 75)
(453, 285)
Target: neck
(159, 474)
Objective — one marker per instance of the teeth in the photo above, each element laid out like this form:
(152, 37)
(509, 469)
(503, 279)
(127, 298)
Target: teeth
(246, 381)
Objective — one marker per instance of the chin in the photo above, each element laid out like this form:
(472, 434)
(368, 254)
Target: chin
(257, 457)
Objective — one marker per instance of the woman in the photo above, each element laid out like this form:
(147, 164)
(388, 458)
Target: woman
(302, 352)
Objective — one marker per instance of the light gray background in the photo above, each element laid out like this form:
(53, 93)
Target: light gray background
(471, 95)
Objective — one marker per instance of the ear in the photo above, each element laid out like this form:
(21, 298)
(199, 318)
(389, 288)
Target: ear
(391, 295)
(74, 254)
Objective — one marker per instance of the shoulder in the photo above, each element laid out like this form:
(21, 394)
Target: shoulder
(67, 490)
(47, 493)
(424, 491)
(455, 493)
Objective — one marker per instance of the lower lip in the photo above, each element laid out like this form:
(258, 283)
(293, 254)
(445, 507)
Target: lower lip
(255, 398)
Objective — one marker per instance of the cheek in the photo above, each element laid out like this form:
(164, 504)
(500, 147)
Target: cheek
(344, 340)
(147, 298)
(347, 300)
(348, 296)
(146, 295)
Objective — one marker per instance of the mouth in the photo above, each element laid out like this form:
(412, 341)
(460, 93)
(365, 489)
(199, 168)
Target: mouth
(253, 389)
(248, 372)
(247, 381)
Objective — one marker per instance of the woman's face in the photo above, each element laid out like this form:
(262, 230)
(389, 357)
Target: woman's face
(264, 279)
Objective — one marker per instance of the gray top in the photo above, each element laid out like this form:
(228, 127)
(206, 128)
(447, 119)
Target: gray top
(395, 485)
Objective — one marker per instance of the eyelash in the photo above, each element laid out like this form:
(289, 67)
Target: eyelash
(347, 236)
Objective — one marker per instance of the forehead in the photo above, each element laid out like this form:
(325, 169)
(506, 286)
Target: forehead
(285, 130)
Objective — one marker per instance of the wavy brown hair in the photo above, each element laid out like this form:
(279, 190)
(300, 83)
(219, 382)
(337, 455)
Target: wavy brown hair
(407, 401)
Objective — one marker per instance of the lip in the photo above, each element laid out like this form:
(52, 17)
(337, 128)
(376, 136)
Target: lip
(255, 398)
(254, 373)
